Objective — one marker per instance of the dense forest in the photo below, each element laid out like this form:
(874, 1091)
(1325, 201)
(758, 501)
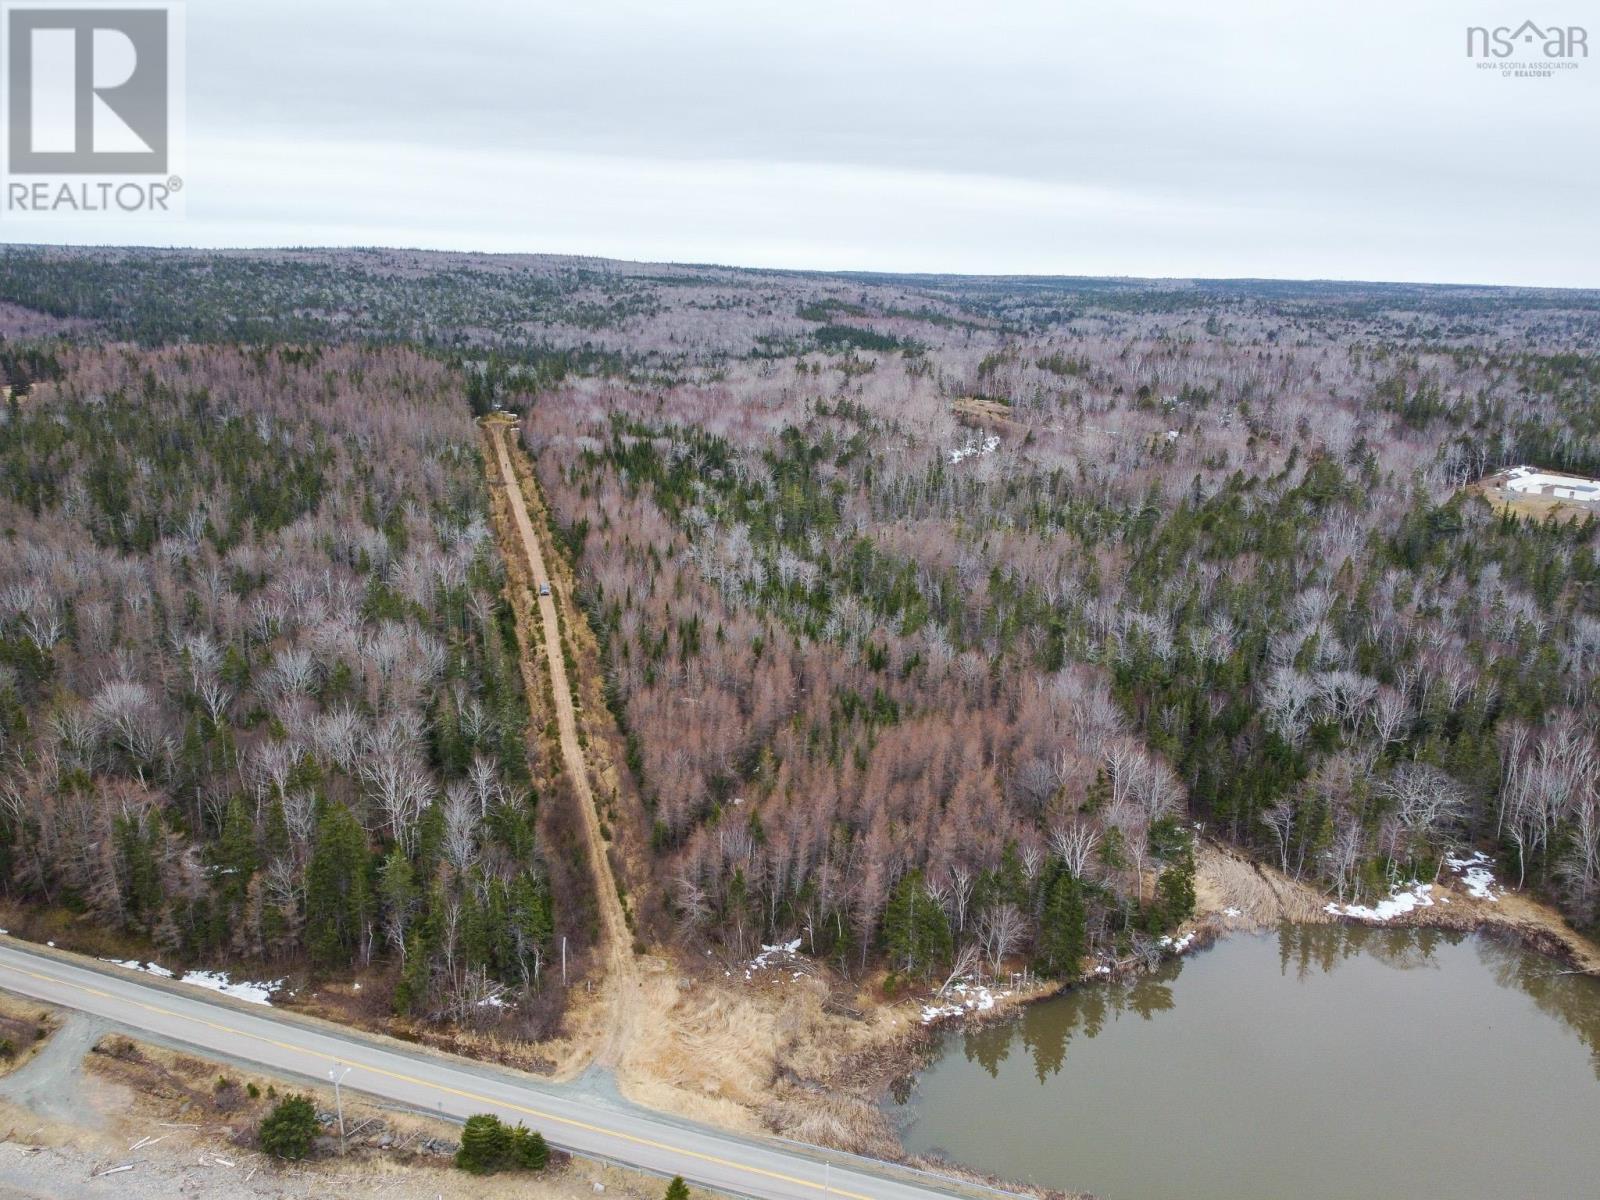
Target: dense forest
(259, 694)
(955, 647)
(941, 616)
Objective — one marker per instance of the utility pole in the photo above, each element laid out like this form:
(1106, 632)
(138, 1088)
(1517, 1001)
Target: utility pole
(563, 960)
(338, 1100)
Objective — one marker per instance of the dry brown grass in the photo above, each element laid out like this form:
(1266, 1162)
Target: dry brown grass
(25, 1026)
(1259, 895)
(1518, 916)
(79, 931)
(984, 413)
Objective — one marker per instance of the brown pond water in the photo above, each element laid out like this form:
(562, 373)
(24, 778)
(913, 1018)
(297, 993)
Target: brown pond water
(1319, 1063)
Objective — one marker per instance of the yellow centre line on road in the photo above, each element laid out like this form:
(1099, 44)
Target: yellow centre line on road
(465, 1095)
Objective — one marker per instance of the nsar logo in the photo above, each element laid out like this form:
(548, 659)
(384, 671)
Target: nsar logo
(1528, 50)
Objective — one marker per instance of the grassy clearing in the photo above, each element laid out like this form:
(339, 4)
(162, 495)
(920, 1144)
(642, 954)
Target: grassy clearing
(206, 1113)
(25, 1026)
(1535, 507)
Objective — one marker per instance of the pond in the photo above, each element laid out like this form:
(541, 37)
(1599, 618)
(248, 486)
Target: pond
(1320, 1062)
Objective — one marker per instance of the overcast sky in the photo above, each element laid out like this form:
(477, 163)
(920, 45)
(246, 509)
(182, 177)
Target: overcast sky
(1141, 137)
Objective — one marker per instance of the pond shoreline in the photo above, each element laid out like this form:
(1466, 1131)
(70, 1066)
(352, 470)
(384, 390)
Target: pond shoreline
(1361, 1007)
(1238, 895)
(1511, 916)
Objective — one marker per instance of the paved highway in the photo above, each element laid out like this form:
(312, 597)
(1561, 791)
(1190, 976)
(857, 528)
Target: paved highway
(568, 1117)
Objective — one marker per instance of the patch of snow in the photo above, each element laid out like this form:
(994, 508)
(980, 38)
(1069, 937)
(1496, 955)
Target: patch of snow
(1475, 874)
(781, 948)
(1232, 912)
(243, 989)
(988, 446)
(967, 997)
(784, 954)
(52, 945)
(1179, 946)
(212, 981)
(1415, 895)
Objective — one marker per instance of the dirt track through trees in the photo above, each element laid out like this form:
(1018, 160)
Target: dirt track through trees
(616, 944)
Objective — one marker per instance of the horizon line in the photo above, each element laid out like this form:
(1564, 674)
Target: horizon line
(830, 272)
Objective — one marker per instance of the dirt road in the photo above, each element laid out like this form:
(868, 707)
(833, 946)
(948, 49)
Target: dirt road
(621, 974)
